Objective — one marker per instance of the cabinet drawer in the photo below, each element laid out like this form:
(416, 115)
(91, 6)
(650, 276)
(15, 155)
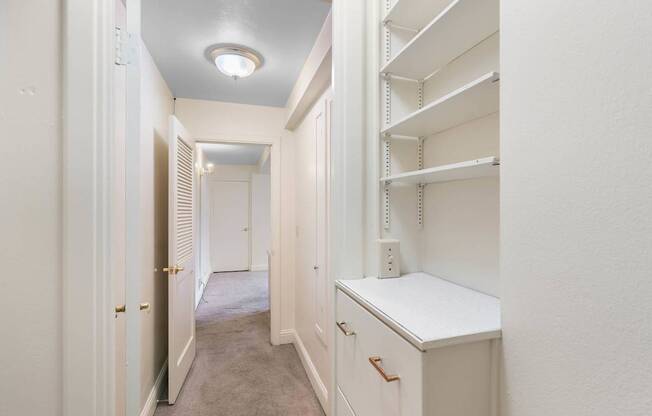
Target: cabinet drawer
(343, 407)
(378, 371)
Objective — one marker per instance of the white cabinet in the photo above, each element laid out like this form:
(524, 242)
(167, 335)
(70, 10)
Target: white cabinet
(399, 355)
(343, 407)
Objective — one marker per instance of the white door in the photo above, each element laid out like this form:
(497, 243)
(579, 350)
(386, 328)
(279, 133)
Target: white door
(181, 273)
(229, 226)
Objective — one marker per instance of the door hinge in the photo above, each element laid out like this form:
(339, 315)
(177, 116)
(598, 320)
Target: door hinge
(122, 47)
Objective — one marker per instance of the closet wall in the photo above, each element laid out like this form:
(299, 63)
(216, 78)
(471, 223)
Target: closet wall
(576, 203)
(459, 237)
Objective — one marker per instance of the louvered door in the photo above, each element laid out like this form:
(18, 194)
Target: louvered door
(181, 270)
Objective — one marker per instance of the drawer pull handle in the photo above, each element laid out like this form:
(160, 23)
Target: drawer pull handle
(343, 327)
(375, 361)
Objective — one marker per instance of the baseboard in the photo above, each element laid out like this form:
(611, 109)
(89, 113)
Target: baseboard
(155, 393)
(258, 267)
(286, 336)
(317, 384)
(202, 288)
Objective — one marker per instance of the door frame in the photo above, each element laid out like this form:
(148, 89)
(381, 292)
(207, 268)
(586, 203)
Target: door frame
(274, 276)
(87, 354)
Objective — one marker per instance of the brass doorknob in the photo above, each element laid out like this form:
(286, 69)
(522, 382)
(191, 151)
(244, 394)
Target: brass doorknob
(144, 306)
(120, 308)
(173, 269)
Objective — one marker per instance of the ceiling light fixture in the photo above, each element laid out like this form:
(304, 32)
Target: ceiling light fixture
(235, 61)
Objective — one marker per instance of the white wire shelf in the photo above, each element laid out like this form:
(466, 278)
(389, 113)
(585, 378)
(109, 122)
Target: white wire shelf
(476, 99)
(478, 168)
(459, 27)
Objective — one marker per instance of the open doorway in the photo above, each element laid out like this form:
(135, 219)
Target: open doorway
(234, 230)
(238, 222)
(234, 209)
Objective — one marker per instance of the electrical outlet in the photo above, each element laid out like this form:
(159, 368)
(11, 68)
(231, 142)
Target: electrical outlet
(390, 258)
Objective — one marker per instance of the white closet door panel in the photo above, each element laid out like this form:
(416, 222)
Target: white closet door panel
(181, 273)
(321, 296)
(229, 225)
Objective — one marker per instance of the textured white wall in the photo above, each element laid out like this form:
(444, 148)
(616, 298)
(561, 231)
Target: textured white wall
(576, 262)
(30, 211)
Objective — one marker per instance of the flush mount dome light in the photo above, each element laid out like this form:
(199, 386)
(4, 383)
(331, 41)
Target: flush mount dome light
(235, 61)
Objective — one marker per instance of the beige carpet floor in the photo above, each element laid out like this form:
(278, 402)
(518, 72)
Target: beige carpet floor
(237, 372)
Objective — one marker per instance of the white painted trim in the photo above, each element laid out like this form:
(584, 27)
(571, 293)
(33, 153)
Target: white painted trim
(88, 376)
(134, 237)
(157, 389)
(201, 291)
(275, 277)
(314, 78)
(258, 267)
(317, 384)
(348, 151)
(287, 336)
(262, 162)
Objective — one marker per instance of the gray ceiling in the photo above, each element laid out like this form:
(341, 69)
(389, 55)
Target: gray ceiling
(179, 33)
(232, 154)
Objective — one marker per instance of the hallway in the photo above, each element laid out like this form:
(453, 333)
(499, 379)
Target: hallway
(237, 372)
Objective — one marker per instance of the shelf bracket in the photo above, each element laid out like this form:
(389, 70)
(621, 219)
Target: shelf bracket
(420, 94)
(420, 186)
(420, 204)
(388, 101)
(392, 25)
(389, 75)
(387, 145)
(387, 171)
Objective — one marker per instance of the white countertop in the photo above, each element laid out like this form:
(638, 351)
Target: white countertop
(428, 311)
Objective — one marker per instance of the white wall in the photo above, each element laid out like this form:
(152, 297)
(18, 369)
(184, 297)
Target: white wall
(260, 220)
(30, 212)
(156, 108)
(214, 120)
(576, 263)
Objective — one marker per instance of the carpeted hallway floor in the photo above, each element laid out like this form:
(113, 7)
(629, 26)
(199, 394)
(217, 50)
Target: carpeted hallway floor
(237, 372)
